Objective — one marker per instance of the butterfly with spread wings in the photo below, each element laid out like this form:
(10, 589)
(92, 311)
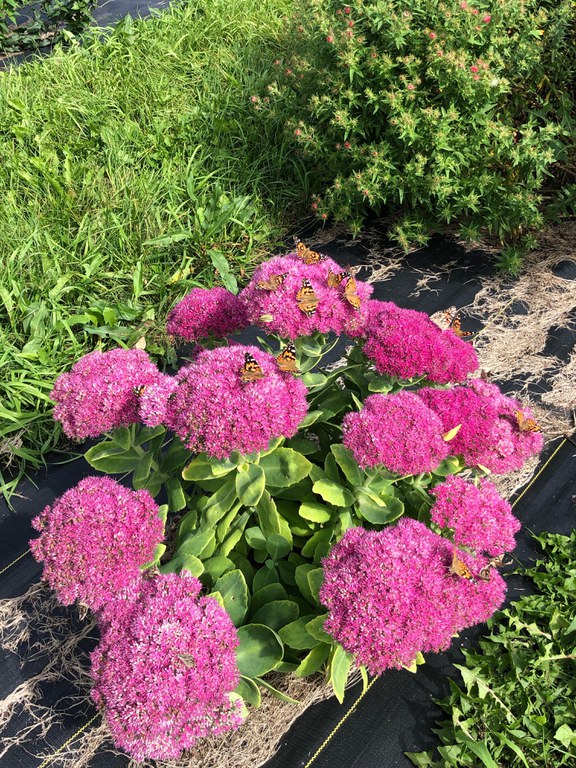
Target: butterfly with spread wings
(251, 370)
(307, 255)
(494, 562)
(525, 424)
(307, 299)
(450, 319)
(273, 283)
(286, 360)
(459, 568)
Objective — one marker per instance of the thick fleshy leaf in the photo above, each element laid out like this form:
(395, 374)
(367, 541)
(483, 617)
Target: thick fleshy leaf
(109, 457)
(217, 505)
(296, 636)
(249, 691)
(285, 467)
(267, 594)
(277, 546)
(347, 464)
(315, 511)
(260, 650)
(234, 590)
(176, 495)
(200, 543)
(276, 614)
(313, 661)
(333, 493)
(339, 670)
(250, 484)
(379, 510)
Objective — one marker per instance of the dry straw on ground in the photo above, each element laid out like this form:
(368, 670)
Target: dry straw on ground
(517, 315)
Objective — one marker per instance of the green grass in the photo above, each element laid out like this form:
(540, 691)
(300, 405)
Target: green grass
(144, 134)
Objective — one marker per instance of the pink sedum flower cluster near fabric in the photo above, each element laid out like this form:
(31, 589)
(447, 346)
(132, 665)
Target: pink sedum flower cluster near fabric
(206, 312)
(164, 674)
(213, 410)
(94, 539)
(407, 344)
(279, 307)
(398, 432)
(98, 393)
(489, 435)
(390, 594)
(478, 516)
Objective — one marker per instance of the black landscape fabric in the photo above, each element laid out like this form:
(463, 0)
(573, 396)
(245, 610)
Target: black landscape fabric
(397, 713)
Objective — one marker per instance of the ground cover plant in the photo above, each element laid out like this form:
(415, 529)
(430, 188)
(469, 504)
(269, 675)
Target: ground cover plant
(444, 113)
(515, 703)
(132, 168)
(25, 25)
(284, 515)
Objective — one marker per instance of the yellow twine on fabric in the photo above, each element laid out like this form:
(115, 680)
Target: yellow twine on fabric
(338, 724)
(542, 468)
(14, 561)
(46, 762)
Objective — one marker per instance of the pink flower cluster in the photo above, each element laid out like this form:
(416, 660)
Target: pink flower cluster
(153, 401)
(207, 312)
(215, 411)
(490, 435)
(94, 539)
(478, 516)
(397, 431)
(406, 344)
(390, 594)
(279, 306)
(98, 393)
(164, 674)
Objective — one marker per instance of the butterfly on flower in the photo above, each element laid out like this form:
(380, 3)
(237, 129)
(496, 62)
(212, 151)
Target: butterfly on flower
(335, 278)
(251, 370)
(525, 424)
(350, 293)
(494, 562)
(286, 360)
(449, 319)
(307, 299)
(459, 568)
(307, 255)
(273, 283)
(139, 390)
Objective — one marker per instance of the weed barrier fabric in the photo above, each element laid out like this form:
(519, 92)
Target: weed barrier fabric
(397, 713)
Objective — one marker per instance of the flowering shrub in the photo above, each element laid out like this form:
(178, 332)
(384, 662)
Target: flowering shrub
(205, 312)
(432, 109)
(317, 518)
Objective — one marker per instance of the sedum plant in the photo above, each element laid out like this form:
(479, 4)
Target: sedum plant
(440, 112)
(313, 518)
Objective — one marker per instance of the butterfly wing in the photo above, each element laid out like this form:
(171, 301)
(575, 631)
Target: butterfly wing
(251, 370)
(272, 284)
(287, 359)
(455, 327)
(335, 278)
(459, 568)
(444, 318)
(139, 390)
(307, 299)
(350, 293)
(525, 424)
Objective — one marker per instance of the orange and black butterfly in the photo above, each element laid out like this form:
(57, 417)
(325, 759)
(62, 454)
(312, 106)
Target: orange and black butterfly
(139, 390)
(335, 278)
(494, 562)
(350, 293)
(287, 359)
(251, 370)
(525, 424)
(450, 319)
(307, 255)
(459, 568)
(273, 283)
(307, 299)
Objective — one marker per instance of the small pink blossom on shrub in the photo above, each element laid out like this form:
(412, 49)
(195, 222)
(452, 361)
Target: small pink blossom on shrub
(406, 343)
(213, 410)
(397, 431)
(479, 517)
(487, 19)
(94, 540)
(390, 594)
(489, 435)
(280, 307)
(98, 393)
(205, 312)
(164, 675)
(153, 401)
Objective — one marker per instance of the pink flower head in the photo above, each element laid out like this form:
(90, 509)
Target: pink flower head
(164, 676)
(406, 343)
(487, 19)
(490, 435)
(479, 517)
(390, 594)
(279, 305)
(98, 393)
(94, 539)
(215, 411)
(153, 401)
(398, 431)
(206, 312)
(473, 68)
